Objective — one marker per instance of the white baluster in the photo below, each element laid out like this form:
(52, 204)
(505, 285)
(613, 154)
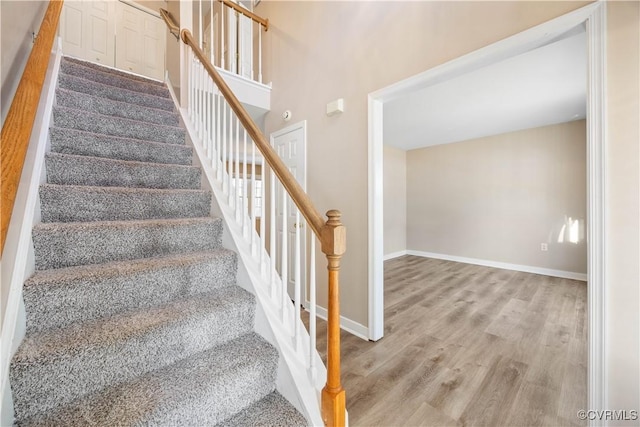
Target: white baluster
(219, 125)
(245, 194)
(201, 102)
(196, 83)
(263, 216)
(190, 88)
(284, 273)
(225, 185)
(296, 292)
(212, 51)
(253, 230)
(222, 35)
(272, 240)
(212, 124)
(200, 24)
(312, 307)
(232, 196)
(260, 53)
(238, 202)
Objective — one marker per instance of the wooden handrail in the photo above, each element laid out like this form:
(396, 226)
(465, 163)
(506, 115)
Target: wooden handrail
(17, 127)
(260, 20)
(332, 236)
(171, 23)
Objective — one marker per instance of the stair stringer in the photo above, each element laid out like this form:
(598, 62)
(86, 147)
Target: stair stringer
(294, 381)
(18, 261)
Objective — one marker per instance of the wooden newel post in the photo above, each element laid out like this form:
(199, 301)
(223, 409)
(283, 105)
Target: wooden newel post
(333, 239)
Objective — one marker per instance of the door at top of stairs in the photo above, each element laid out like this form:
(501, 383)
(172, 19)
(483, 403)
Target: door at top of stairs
(115, 34)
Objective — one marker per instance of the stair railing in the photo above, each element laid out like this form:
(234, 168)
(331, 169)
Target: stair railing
(229, 138)
(215, 22)
(16, 130)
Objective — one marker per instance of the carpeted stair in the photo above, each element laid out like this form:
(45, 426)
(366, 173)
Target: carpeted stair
(133, 314)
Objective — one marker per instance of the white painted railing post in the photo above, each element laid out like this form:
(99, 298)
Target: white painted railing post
(259, 53)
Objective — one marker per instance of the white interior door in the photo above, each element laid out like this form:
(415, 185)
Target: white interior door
(87, 30)
(290, 144)
(140, 42)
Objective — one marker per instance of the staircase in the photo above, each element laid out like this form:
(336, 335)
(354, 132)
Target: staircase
(133, 316)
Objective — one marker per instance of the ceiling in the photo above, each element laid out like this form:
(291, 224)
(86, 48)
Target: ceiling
(541, 87)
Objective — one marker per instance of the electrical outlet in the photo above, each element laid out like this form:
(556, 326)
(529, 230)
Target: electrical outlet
(544, 247)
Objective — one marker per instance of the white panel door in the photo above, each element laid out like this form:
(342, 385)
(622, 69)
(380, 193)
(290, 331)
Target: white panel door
(71, 28)
(140, 42)
(99, 32)
(290, 145)
(87, 30)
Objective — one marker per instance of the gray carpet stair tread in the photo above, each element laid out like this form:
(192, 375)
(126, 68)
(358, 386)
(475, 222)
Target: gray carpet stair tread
(133, 315)
(108, 107)
(200, 390)
(79, 84)
(72, 141)
(111, 79)
(61, 297)
(58, 245)
(114, 71)
(56, 367)
(116, 126)
(272, 410)
(70, 169)
(78, 203)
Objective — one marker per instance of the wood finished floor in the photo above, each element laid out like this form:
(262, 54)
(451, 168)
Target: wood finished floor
(467, 345)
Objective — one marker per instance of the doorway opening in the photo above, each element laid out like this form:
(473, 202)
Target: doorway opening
(594, 17)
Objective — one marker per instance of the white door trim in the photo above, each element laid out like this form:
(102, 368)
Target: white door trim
(594, 15)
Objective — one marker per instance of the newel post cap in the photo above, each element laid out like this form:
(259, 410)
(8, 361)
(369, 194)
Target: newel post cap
(334, 235)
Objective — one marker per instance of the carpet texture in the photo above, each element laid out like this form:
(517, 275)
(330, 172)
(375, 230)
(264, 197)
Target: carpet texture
(133, 314)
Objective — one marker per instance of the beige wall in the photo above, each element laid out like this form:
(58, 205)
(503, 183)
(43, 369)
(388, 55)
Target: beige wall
(316, 52)
(623, 205)
(18, 20)
(395, 200)
(498, 198)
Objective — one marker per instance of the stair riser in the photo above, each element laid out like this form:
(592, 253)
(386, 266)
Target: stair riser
(71, 141)
(247, 384)
(82, 170)
(108, 107)
(70, 376)
(58, 246)
(192, 392)
(83, 204)
(112, 71)
(116, 126)
(89, 87)
(66, 301)
(111, 79)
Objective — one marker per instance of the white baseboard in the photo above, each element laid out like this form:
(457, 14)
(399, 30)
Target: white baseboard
(348, 325)
(517, 267)
(393, 255)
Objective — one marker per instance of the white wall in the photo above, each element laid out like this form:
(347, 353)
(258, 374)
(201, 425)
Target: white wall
(395, 200)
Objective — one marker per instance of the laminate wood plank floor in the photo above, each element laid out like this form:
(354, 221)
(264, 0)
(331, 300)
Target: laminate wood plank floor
(467, 345)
